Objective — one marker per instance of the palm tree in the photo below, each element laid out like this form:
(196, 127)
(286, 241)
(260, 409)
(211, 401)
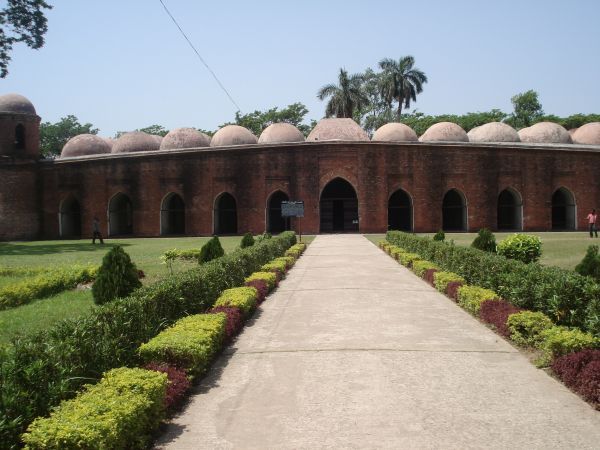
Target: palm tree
(400, 81)
(346, 97)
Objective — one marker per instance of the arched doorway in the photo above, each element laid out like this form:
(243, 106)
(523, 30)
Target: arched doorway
(339, 207)
(400, 211)
(120, 215)
(563, 210)
(70, 218)
(20, 137)
(454, 211)
(172, 215)
(510, 210)
(275, 222)
(225, 214)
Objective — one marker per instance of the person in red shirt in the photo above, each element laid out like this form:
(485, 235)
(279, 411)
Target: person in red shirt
(592, 219)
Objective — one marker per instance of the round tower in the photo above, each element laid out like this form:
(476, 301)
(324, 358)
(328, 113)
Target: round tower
(19, 127)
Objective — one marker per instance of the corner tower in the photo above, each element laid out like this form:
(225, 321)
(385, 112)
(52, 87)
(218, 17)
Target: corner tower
(19, 127)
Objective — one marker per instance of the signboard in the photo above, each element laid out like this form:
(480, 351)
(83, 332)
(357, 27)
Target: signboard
(292, 209)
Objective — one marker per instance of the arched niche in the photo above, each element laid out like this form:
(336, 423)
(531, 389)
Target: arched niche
(172, 215)
(454, 211)
(225, 214)
(563, 210)
(69, 220)
(400, 215)
(120, 215)
(510, 210)
(276, 223)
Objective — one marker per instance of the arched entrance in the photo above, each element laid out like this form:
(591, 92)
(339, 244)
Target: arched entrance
(400, 211)
(172, 215)
(275, 222)
(20, 137)
(510, 210)
(563, 210)
(120, 215)
(69, 220)
(454, 211)
(225, 214)
(339, 207)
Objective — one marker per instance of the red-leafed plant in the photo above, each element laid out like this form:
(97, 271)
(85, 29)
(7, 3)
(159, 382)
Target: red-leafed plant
(588, 383)
(496, 312)
(428, 276)
(452, 289)
(261, 287)
(568, 367)
(235, 321)
(178, 384)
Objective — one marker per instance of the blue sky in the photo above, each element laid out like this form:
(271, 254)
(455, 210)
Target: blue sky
(123, 65)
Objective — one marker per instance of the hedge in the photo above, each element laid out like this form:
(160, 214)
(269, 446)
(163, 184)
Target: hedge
(117, 413)
(243, 298)
(442, 279)
(565, 296)
(268, 277)
(471, 297)
(420, 267)
(40, 370)
(526, 327)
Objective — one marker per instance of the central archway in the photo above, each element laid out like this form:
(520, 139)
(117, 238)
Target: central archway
(339, 207)
(225, 214)
(276, 223)
(120, 215)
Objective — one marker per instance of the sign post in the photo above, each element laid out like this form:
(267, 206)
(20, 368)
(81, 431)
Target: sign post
(293, 209)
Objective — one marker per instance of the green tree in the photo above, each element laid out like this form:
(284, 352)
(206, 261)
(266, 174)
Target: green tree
(401, 81)
(377, 111)
(54, 136)
(346, 97)
(21, 21)
(257, 121)
(157, 130)
(527, 109)
(117, 277)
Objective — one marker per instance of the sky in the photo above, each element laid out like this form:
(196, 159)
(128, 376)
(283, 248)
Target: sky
(123, 65)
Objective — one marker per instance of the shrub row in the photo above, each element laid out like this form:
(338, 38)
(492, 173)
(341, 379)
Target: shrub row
(567, 297)
(40, 370)
(44, 285)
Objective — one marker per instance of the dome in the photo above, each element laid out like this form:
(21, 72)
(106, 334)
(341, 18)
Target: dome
(280, 132)
(588, 134)
(232, 135)
(445, 132)
(494, 132)
(395, 132)
(157, 138)
(109, 141)
(184, 138)
(572, 132)
(15, 103)
(135, 141)
(545, 133)
(83, 145)
(337, 130)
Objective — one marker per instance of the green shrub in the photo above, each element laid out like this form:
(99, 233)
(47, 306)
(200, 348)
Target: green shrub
(526, 327)
(485, 241)
(117, 277)
(243, 298)
(471, 297)
(559, 340)
(420, 266)
(272, 266)
(121, 411)
(522, 247)
(288, 260)
(269, 277)
(247, 240)
(211, 250)
(590, 264)
(441, 280)
(296, 250)
(406, 259)
(190, 344)
(395, 252)
(439, 236)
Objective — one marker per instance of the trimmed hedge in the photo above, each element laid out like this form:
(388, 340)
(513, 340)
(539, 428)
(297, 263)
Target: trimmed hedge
(116, 413)
(522, 247)
(268, 277)
(558, 341)
(526, 328)
(243, 298)
(235, 321)
(419, 267)
(261, 286)
(288, 260)
(178, 383)
(442, 279)
(471, 298)
(275, 266)
(296, 250)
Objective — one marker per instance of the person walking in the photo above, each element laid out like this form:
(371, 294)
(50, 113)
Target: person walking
(592, 220)
(96, 231)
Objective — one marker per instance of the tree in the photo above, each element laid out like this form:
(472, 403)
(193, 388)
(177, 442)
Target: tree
(257, 121)
(400, 81)
(157, 130)
(377, 111)
(117, 277)
(21, 21)
(54, 136)
(344, 98)
(527, 109)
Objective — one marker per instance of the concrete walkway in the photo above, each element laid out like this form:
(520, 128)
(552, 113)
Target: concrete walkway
(354, 351)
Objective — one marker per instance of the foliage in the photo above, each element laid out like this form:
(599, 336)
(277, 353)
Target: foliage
(54, 136)
(471, 297)
(376, 112)
(400, 81)
(275, 266)
(420, 122)
(527, 109)
(296, 250)
(262, 288)
(117, 277)
(439, 236)
(526, 327)
(287, 260)
(407, 259)
(485, 241)
(419, 267)
(257, 121)
(522, 247)
(119, 412)
(559, 340)
(211, 250)
(268, 277)
(177, 383)
(247, 240)
(171, 255)
(243, 298)
(344, 98)
(588, 383)
(441, 280)
(590, 264)
(235, 321)
(22, 21)
(568, 367)
(496, 313)
(156, 130)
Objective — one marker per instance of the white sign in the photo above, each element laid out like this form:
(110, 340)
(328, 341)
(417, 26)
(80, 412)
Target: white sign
(292, 209)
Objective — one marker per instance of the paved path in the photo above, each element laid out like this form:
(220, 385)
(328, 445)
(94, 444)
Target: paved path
(354, 351)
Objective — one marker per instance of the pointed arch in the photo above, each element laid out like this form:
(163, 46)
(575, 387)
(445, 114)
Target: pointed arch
(400, 214)
(20, 137)
(454, 211)
(339, 207)
(225, 214)
(69, 218)
(510, 210)
(564, 212)
(120, 215)
(172, 215)
(276, 223)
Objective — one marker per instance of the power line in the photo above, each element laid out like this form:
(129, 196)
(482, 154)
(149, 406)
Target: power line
(199, 56)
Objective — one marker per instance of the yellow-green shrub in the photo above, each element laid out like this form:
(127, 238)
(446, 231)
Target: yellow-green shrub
(395, 252)
(243, 298)
(273, 266)
(296, 250)
(288, 260)
(526, 327)
(406, 259)
(560, 340)
(190, 343)
(269, 277)
(441, 280)
(420, 266)
(471, 297)
(121, 411)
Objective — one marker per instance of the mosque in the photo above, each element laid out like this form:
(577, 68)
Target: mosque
(540, 178)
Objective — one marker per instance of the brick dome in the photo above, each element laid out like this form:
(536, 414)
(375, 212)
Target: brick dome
(545, 133)
(280, 132)
(395, 132)
(444, 132)
(232, 135)
(109, 141)
(494, 132)
(84, 145)
(15, 103)
(337, 130)
(157, 138)
(588, 134)
(135, 141)
(184, 138)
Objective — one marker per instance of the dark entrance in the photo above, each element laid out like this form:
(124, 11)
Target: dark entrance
(225, 214)
(120, 215)
(509, 211)
(339, 207)
(20, 137)
(563, 210)
(275, 222)
(70, 218)
(172, 215)
(399, 211)
(454, 211)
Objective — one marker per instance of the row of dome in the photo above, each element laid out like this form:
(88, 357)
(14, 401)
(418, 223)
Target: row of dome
(328, 130)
